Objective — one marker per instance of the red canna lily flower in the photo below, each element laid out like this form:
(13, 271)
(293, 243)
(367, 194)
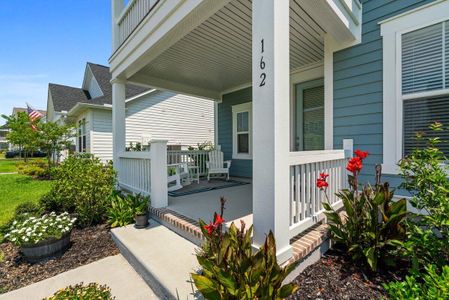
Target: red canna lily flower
(321, 183)
(324, 175)
(210, 228)
(355, 165)
(218, 220)
(361, 154)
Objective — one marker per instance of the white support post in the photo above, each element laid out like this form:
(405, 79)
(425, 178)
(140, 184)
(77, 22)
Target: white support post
(329, 46)
(159, 192)
(117, 8)
(271, 123)
(118, 120)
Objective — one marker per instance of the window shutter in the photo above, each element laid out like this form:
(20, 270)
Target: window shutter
(418, 115)
(423, 60)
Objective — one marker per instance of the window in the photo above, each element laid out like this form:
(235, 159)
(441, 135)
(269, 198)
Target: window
(241, 123)
(425, 68)
(415, 79)
(82, 135)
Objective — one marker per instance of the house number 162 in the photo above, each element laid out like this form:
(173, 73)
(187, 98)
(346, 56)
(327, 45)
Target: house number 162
(263, 75)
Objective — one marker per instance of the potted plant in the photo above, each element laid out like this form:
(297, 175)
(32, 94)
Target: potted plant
(42, 237)
(141, 215)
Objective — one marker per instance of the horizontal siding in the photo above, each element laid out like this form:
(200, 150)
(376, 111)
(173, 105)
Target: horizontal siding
(239, 167)
(182, 120)
(358, 88)
(102, 134)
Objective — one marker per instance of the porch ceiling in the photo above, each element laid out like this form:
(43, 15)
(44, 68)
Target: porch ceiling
(216, 56)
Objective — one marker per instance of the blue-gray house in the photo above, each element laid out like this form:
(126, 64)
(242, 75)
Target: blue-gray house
(297, 85)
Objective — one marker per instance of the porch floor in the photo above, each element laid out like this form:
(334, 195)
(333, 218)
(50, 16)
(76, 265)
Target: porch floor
(202, 205)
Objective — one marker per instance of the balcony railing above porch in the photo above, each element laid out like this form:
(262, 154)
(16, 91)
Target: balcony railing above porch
(130, 17)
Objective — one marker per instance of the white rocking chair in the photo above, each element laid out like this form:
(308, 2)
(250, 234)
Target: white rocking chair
(216, 165)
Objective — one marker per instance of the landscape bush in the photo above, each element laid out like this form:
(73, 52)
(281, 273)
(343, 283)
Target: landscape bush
(373, 226)
(122, 208)
(34, 168)
(430, 285)
(83, 292)
(230, 269)
(424, 174)
(82, 185)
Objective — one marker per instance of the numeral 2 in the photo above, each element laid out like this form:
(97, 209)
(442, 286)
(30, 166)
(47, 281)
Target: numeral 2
(263, 76)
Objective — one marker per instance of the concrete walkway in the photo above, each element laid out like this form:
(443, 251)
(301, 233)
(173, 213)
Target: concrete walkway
(114, 271)
(161, 257)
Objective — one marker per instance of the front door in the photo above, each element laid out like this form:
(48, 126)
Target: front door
(309, 117)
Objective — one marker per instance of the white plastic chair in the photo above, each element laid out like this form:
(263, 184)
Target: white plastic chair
(216, 164)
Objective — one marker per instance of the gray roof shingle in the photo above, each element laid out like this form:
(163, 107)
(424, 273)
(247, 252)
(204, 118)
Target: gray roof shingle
(66, 97)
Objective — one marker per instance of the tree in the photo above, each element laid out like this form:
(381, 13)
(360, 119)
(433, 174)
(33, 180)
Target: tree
(23, 133)
(53, 138)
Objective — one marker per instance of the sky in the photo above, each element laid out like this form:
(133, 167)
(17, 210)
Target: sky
(45, 41)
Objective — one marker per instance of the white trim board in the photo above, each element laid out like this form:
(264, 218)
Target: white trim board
(391, 31)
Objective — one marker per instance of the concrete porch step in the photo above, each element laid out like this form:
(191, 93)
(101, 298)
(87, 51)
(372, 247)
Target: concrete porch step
(161, 257)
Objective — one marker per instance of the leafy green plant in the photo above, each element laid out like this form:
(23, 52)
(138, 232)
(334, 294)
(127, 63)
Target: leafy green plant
(424, 174)
(34, 230)
(430, 285)
(232, 271)
(122, 208)
(35, 168)
(83, 292)
(82, 186)
(372, 226)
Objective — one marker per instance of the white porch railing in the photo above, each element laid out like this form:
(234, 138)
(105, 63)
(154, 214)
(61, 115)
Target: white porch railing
(305, 198)
(132, 15)
(192, 158)
(135, 171)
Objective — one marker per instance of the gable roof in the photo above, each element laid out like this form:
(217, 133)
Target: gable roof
(66, 97)
(103, 77)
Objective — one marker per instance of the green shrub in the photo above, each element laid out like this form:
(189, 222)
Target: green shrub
(372, 227)
(122, 209)
(424, 174)
(34, 168)
(232, 271)
(83, 292)
(430, 285)
(29, 208)
(82, 186)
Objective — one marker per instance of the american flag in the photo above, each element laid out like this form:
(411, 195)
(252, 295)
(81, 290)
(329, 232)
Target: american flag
(33, 114)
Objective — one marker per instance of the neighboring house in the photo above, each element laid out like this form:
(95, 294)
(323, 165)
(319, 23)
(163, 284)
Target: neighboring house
(297, 83)
(4, 145)
(150, 114)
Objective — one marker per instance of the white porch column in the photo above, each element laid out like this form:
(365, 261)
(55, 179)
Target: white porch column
(271, 121)
(159, 193)
(118, 120)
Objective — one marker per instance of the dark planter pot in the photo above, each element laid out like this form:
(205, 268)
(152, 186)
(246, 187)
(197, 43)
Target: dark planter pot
(141, 221)
(46, 249)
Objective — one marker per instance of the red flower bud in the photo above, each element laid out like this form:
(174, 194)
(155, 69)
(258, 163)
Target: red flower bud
(361, 154)
(355, 165)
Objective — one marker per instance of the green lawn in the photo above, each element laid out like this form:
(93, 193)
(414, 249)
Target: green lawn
(7, 166)
(16, 189)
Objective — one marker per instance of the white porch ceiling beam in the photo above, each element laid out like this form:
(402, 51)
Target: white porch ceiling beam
(186, 89)
(339, 18)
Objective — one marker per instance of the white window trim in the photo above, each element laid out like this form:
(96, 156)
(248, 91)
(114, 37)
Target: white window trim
(391, 32)
(244, 107)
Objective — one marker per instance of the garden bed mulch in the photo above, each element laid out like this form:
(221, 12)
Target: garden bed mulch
(87, 245)
(337, 277)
